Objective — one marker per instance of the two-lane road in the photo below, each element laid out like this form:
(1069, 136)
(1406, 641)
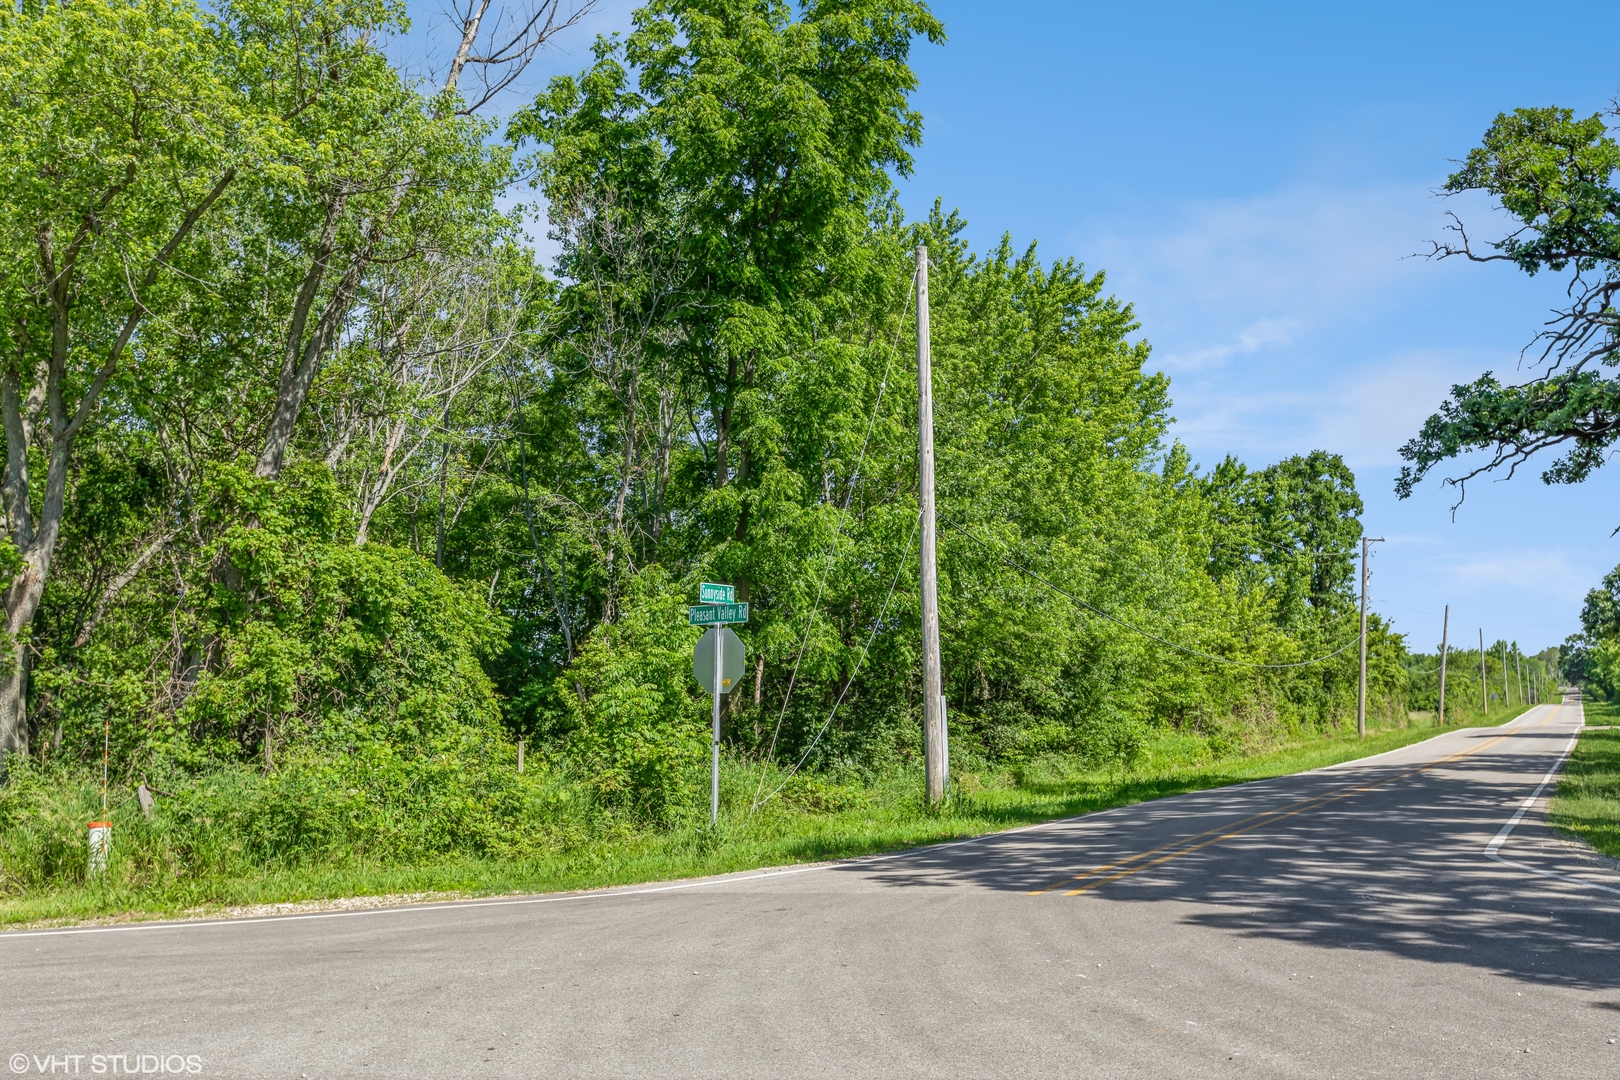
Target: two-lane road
(1355, 921)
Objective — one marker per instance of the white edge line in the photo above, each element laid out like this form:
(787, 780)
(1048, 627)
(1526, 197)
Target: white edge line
(1500, 838)
(1549, 874)
(554, 898)
(551, 898)
(1441, 735)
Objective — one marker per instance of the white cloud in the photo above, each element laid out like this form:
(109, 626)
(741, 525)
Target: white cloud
(1533, 571)
(1260, 334)
(1300, 319)
(1364, 411)
(1295, 257)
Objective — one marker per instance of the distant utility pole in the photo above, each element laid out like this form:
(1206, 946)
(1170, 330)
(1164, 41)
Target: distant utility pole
(1518, 676)
(1445, 629)
(934, 752)
(1507, 695)
(1484, 689)
(1361, 690)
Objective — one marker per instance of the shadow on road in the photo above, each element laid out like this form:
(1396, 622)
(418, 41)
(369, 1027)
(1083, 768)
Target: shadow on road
(1398, 868)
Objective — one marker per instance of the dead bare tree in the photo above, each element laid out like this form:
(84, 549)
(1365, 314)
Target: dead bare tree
(500, 48)
(430, 333)
(627, 285)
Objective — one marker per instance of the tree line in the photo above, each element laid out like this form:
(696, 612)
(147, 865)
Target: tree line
(318, 482)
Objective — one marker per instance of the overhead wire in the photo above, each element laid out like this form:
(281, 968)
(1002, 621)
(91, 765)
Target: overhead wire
(843, 517)
(870, 637)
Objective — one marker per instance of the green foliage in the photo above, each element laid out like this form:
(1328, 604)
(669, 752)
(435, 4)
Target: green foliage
(375, 496)
(1586, 803)
(321, 640)
(1556, 175)
(1591, 659)
(637, 724)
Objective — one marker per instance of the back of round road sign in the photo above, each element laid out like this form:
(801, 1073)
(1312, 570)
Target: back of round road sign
(732, 660)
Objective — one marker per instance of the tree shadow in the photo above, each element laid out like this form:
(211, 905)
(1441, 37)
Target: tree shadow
(1396, 866)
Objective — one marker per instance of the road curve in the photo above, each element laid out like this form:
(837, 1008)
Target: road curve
(1369, 919)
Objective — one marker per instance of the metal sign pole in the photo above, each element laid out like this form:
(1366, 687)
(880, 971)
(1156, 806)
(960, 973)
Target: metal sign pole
(719, 606)
(714, 744)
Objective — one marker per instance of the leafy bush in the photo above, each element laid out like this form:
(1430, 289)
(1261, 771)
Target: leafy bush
(637, 724)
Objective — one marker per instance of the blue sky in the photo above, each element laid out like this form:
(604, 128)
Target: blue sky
(1255, 178)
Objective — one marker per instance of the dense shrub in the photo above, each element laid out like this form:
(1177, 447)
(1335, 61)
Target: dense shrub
(637, 723)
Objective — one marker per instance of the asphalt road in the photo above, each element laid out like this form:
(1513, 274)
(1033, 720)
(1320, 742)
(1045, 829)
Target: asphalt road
(1341, 923)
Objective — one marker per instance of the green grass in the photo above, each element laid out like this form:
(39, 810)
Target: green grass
(816, 818)
(1587, 802)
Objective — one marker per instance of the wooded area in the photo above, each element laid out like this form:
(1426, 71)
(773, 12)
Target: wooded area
(321, 491)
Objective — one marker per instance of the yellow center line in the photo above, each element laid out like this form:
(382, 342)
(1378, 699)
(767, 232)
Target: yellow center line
(1263, 818)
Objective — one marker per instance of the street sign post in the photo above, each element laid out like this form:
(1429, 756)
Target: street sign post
(719, 653)
(717, 614)
(710, 593)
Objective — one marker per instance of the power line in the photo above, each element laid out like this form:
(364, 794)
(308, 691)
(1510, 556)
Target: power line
(1137, 630)
(843, 516)
(870, 637)
(1314, 556)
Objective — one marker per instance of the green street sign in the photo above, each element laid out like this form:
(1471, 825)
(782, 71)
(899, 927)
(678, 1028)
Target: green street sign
(710, 593)
(717, 614)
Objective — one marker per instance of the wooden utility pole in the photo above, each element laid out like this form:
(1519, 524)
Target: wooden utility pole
(1507, 694)
(1484, 688)
(1361, 688)
(937, 758)
(1518, 676)
(1445, 629)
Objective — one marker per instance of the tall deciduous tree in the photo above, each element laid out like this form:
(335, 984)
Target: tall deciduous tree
(122, 125)
(727, 155)
(1557, 175)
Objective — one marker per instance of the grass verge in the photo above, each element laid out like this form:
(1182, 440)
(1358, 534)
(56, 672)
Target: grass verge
(1586, 804)
(814, 820)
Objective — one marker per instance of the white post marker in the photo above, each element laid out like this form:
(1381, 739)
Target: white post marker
(100, 832)
(100, 844)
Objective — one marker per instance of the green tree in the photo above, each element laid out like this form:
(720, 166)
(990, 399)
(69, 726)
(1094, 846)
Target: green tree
(122, 125)
(1556, 175)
